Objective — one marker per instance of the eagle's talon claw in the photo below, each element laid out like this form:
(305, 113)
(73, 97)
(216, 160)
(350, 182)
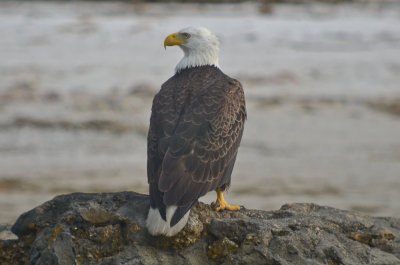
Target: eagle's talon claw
(221, 204)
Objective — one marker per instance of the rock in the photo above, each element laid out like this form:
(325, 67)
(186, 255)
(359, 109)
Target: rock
(6, 234)
(109, 228)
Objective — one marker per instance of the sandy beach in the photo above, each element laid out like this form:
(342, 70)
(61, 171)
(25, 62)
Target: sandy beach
(322, 84)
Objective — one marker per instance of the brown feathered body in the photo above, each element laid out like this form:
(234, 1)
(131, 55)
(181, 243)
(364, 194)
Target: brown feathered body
(196, 126)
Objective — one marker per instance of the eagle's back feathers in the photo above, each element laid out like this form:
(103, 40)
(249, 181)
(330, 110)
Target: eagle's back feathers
(195, 130)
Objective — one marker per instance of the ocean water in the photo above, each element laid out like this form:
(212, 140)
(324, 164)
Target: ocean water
(322, 85)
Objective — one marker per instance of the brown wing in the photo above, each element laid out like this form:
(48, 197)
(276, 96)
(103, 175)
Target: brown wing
(193, 139)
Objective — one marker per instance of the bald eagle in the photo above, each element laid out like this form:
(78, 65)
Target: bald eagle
(196, 126)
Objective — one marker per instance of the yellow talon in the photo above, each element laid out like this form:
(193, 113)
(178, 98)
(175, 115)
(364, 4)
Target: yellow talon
(223, 204)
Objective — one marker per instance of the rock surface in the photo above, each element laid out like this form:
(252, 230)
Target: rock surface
(108, 228)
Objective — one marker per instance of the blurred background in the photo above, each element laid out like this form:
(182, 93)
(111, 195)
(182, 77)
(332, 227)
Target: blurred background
(321, 79)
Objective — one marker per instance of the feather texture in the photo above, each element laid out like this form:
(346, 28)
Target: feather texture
(195, 130)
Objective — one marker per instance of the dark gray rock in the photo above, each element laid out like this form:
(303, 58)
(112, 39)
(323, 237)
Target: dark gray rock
(108, 228)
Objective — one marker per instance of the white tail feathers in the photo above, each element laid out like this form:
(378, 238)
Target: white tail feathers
(157, 226)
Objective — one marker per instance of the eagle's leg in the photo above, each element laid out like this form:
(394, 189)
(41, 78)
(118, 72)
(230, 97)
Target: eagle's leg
(221, 204)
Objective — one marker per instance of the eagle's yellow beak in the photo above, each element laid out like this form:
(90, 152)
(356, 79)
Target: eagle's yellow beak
(172, 40)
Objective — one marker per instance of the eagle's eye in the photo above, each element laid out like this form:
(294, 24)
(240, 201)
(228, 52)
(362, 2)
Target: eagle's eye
(185, 35)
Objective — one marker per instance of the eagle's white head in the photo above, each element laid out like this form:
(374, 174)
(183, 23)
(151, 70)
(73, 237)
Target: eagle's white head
(200, 46)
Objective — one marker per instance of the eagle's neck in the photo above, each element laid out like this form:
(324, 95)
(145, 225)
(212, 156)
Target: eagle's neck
(199, 57)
